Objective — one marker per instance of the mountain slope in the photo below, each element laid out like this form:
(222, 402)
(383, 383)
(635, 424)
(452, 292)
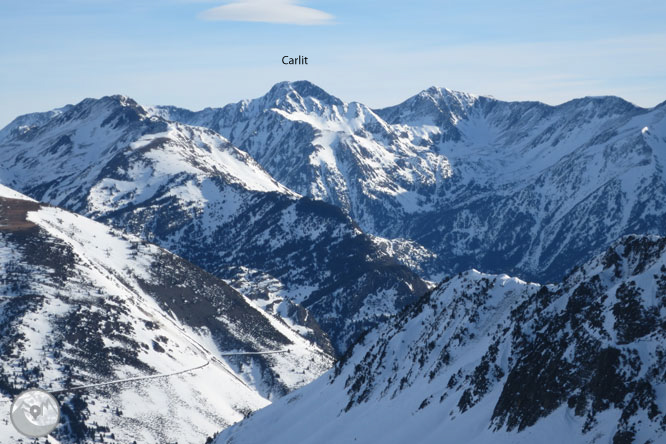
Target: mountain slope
(81, 303)
(471, 181)
(487, 358)
(536, 189)
(319, 146)
(192, 192)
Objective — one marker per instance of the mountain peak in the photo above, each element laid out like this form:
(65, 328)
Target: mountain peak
(437, 92)
(112, 101)
(121, 100)
(609, 104)
(86, 107)
(435, 106)
(303, 89)
(114, 110)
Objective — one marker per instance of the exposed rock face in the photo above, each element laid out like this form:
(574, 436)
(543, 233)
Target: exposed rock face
(486, 358)
(190, 191)
(506, 187)
(81, 303)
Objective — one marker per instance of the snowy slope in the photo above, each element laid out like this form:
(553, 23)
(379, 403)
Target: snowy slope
(490, 358)
(518, 187)
(81, 303)
(8, 193)
(189, 190)
(94, 137)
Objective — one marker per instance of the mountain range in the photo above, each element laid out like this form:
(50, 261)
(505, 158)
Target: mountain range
(192, 192)
(490, 358)
(470, 181)
(297, 220)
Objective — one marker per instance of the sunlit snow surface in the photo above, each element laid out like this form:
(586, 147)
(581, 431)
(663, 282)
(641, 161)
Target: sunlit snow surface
(113, 266)
(466, 178)
(445, 178)
(493, 359)
(192, 192)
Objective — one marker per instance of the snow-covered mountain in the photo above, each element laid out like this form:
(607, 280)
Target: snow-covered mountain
(324, 214)
(490, 358)
(192, 192)
(81, 303)
(537, 189)
(470, 181)
(319, 146)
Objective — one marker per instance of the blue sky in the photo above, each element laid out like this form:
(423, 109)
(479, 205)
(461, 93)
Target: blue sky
(198, 53)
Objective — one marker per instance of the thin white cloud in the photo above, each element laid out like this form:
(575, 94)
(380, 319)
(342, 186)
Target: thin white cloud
(268, 11)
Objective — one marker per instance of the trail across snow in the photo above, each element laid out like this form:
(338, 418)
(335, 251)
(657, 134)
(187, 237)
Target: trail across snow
(162, 375)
